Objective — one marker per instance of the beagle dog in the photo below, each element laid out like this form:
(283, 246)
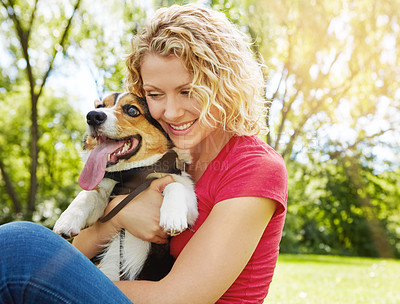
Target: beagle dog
(124, 149)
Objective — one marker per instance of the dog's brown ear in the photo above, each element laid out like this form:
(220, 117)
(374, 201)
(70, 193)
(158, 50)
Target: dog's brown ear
(97, 103)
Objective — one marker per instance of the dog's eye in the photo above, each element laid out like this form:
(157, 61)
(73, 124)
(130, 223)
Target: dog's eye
(131, 110)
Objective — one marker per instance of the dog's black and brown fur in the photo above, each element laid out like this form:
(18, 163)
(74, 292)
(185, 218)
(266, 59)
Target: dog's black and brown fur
(124, 147)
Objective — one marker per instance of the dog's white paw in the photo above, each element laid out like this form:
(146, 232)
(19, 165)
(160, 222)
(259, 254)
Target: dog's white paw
(174, 211)
(174, 222)
(69, 225)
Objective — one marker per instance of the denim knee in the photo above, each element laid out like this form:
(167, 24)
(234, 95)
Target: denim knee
(39, 266)
(25, 249)
(23, 237)
(21, 242)
(9, 230)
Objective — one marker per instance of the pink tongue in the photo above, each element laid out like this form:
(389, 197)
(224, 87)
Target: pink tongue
(95, 167)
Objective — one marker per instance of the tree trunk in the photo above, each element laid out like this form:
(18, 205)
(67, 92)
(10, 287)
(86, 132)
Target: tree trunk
(34, 157)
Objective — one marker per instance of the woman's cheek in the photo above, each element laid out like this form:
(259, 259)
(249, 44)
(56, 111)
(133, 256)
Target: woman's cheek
(155, 111)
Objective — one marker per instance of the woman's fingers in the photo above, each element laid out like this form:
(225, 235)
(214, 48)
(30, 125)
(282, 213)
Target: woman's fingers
(141, 217)
(160, 183)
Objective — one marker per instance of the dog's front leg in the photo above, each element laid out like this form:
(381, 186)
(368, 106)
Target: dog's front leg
(84, 210)
(179, 207)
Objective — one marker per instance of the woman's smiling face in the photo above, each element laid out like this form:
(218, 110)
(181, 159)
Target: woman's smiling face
(167, 83)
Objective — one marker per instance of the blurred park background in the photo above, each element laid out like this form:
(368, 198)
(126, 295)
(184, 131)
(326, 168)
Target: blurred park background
(332, 75)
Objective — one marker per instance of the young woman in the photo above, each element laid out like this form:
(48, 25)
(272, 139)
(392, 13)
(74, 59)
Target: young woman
(203, 86)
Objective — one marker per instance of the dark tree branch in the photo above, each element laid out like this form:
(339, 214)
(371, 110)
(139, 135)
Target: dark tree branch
(32, 18)
(61, 45)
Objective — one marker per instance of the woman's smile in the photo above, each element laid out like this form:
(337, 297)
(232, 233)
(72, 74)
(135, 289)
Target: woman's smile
(183, 127)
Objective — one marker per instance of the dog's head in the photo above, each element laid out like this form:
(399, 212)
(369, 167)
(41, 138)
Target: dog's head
(121, 135)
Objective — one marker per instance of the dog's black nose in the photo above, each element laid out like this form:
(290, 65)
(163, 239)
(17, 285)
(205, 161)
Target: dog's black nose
(95, 118)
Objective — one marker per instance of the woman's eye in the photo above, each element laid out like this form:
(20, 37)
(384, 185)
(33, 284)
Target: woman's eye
(153, 95)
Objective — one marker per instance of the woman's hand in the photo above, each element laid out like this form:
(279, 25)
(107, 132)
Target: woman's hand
(141, 216)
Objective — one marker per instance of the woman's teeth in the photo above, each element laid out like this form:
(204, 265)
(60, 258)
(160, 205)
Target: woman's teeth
(183, 127)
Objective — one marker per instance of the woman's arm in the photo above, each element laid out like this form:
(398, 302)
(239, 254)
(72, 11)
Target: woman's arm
(213, 258)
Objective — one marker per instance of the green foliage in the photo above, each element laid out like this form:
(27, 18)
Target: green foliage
(61, 129)
(165, 3)
(326, 215)
(14, 143)
(59, 161)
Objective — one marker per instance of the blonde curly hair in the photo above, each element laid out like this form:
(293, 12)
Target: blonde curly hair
(225, 74)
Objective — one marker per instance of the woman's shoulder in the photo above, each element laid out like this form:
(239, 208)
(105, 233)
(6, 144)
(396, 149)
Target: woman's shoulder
(247, 159)
(254, 150)
(249, 167)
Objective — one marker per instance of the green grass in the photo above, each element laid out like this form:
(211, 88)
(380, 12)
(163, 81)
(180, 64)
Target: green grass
(331, 279)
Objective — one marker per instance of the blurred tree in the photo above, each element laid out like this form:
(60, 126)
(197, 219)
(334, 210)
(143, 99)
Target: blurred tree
(35, 30)
(165, 3)
(61, 131)
(328, 214)
(329, 64)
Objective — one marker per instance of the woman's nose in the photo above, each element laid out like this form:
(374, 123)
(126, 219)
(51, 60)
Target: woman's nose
(173, 108)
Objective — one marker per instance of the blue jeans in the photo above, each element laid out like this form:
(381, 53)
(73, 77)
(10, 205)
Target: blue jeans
(38, 266)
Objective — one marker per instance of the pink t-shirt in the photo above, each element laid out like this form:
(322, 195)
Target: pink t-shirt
(246, 166)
